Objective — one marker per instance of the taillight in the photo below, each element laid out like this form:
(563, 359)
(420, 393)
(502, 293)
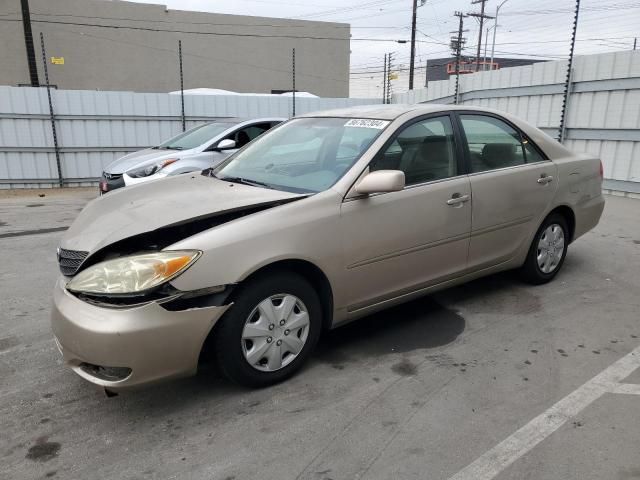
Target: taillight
(601, 171)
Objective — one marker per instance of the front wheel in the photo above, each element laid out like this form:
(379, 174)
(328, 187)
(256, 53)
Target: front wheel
(270, 330)
(547, 252)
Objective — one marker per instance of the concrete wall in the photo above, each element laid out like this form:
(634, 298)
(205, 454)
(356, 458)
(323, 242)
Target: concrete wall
(131, 59)
(95, 128)
(603, 116)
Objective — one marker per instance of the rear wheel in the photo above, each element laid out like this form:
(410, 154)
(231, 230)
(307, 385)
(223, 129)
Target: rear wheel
(270, 331)
(548, 250)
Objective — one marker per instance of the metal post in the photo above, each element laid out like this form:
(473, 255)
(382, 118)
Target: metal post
(181, 85)
(426, 73)
(567, 84)
(28, 41)
(413, 43)
(495, 27)
(293, 59)
(635, 41)
(51, 116)
(384, 80)
(389, 77)
(484, 57)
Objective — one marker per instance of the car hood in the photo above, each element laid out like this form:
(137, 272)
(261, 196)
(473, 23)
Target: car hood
(162, 203)
(143, 158)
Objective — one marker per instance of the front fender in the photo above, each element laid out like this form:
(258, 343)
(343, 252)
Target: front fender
(307, 229)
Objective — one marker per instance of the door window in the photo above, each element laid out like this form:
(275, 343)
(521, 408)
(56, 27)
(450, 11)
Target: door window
(246, 134)
(532, 155)
(492, 143)
(424, 151)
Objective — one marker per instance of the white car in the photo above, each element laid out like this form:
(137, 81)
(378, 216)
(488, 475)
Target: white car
(201, 147)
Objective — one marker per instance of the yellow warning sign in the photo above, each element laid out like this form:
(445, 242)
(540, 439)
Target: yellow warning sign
(57, 60)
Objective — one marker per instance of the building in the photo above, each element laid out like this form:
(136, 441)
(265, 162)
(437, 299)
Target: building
(368, 83)
(443, 68)
(117, 45)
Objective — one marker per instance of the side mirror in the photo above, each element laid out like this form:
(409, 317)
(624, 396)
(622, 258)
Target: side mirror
(381, 181)
(226, 144)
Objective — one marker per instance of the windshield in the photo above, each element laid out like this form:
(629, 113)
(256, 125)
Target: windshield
(305, 155)
(194, 137)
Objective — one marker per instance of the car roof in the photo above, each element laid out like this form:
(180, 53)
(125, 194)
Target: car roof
(391, 112)
(235, 120)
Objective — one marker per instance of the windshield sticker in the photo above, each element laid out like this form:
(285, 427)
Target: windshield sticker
(367, 123)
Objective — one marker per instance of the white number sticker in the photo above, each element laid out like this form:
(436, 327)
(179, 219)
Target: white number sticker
(367, 123)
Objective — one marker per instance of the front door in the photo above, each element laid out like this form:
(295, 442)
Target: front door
(512, 185)
(399, 242)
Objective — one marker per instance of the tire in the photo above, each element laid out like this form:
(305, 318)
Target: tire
(539, 268)
(248, 356)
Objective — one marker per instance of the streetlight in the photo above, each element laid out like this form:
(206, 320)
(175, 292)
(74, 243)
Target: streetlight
(495, 27)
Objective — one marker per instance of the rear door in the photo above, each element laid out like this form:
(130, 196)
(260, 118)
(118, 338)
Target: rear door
(512, 184)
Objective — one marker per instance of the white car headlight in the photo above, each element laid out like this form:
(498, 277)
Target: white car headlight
(133, 274)
(151, 169)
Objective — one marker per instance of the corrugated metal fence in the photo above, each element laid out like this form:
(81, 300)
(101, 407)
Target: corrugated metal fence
(94, 127)
(603, 116)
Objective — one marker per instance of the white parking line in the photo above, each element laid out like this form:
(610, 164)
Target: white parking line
(490, 464)
(627, 388)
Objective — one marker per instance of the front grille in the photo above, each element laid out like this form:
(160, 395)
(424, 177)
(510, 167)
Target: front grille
(111, 176)
(70, 260)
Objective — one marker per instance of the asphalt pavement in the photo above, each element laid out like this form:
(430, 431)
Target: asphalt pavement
(493, 379)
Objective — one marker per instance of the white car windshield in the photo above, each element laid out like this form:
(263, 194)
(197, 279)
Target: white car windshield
(305, 155)
(194, 137)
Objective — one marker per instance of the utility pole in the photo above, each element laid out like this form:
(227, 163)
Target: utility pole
(481, 16)
(28, 42)
(384, 80)
(456, 45)
(495, 27)
(567, 83)
(413, 42)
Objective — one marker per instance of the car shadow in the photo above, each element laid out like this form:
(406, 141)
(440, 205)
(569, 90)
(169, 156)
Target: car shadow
(420, 324)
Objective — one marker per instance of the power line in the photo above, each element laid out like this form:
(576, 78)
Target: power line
(360, 6)
(226, 24)
(192, 32)
(223, 34)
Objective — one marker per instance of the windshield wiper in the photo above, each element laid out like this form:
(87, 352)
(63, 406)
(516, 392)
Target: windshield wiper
(208, 172)
(170, 148)
(246, 181)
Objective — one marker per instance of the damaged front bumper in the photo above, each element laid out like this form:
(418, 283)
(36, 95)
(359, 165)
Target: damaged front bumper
(119, 348)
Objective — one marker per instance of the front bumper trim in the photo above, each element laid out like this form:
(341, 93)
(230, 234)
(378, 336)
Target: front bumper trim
(153, 342)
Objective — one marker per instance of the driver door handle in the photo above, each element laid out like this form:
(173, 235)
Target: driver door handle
(544, 179)
(457, 199)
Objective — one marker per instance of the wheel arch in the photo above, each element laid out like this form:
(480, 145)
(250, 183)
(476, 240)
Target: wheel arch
(570, 217)
(306, 269)
(309, 271)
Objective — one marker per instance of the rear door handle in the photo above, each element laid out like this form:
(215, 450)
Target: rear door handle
(457, 199)
(544, 179)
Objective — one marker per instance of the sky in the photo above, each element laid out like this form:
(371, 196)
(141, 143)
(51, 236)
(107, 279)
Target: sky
(538, 29)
